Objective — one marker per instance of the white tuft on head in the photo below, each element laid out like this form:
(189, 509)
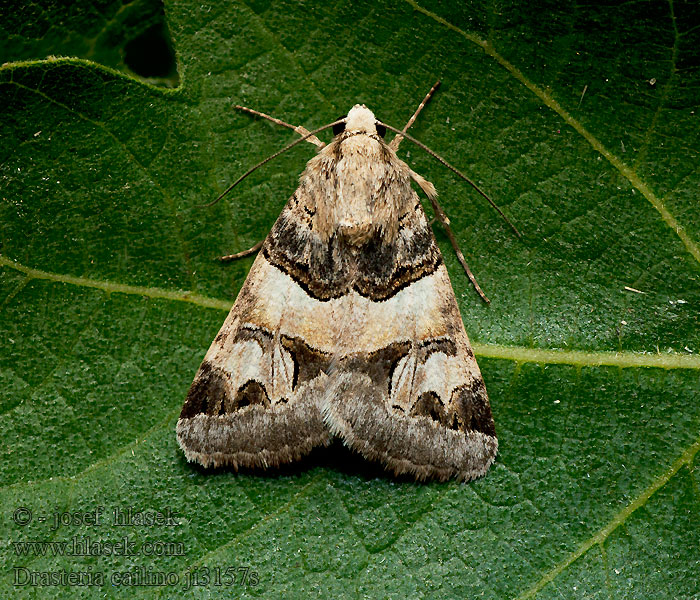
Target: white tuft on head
(360, 118)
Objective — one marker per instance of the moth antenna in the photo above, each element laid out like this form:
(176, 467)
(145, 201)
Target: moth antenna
(394, 144)
(454, 170)
(298, 128)
(269, 158)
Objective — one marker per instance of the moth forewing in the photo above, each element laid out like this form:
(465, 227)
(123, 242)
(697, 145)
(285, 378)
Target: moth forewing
(346, 326)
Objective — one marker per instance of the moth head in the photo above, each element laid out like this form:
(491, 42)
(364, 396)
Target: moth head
(360, 119)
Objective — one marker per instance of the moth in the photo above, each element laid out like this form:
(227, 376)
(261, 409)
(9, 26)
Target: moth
(346, 327)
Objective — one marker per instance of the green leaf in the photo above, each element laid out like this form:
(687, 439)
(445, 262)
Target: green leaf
(130, 36)
(579, 120)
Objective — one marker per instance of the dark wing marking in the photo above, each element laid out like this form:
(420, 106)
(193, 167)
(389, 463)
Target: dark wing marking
(255, 401)
(428, 415)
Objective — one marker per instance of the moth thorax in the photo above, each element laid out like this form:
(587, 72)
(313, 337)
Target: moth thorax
(360, 207)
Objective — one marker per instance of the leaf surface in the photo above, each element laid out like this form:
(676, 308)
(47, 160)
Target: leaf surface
(579, 120)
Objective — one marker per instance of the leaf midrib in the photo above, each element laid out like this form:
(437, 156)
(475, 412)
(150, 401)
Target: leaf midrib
(519, 354)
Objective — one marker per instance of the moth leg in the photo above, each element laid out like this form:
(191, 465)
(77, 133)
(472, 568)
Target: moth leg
(445, 221)
(394, 144)
(429, 190)
(242, 254)
(302, 131)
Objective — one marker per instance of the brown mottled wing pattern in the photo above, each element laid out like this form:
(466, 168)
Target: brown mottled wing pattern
(255, 401)
(419, 405)
(346, 326)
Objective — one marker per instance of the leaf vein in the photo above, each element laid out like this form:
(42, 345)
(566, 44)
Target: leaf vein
(100, 463)
(519, 354)
(629, 173)
(139, 164)
(618, 519)
(279, 511)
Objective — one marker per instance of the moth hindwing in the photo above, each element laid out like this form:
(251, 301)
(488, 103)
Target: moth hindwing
(346, 326)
